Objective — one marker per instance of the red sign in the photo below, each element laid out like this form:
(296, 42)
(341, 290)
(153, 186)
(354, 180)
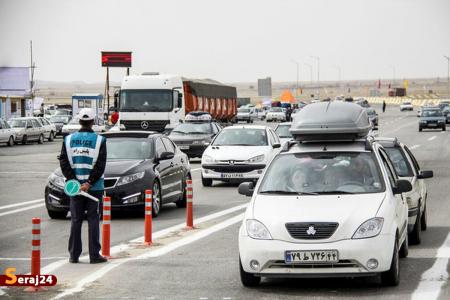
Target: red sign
(116, 59)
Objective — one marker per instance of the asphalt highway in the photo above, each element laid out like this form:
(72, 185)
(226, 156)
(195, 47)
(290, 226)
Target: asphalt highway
(203, 263)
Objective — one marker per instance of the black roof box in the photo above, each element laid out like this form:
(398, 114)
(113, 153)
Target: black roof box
(331, 121)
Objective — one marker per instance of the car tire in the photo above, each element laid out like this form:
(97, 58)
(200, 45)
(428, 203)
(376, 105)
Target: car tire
(11, 141)
(423, 219)
(24, 140)
(404, 249)
(248, 279)
(51, 137)
(58, 215)
(156, 198)
(420, 129)
(444, 128)
(183, 201)
(391, 277)
(414, 236)
(41, 139)
(207, 181)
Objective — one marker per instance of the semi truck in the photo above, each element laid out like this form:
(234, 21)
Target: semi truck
(158, 102)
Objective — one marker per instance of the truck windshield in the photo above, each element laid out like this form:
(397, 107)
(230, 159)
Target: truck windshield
(146, 101)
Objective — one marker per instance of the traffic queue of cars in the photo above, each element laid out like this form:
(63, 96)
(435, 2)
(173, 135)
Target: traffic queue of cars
(327, 198)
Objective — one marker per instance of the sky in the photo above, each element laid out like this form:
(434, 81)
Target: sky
(229, 40)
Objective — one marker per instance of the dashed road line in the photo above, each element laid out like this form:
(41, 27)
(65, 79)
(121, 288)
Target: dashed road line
(434, 278)
(432, 138)
(21, 209)
(21, 203)
(414, 147)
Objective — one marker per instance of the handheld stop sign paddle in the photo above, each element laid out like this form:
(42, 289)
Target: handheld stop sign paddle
(73, 188)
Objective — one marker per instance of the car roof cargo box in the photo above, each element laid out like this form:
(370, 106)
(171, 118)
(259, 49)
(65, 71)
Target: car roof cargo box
(331, 121)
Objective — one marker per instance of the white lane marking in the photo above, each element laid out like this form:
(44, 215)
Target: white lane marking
(122, 247)
(21, 209)
(414, 147)
(21, 203)
(28, 258)
(434, 278)
(432, 138)
(79, 287)
(196, 169)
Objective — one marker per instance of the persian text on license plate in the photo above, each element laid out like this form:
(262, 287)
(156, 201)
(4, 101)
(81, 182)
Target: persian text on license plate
(315, 256)
(232, 175)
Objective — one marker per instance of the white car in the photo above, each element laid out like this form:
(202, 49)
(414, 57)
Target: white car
(239, 153)
(408, 168)
(276, 114)
(283, 132)
(246, 114)
(50, 128)
(326, 209)
(7, 134)
(407, 105)
(27, 129)
(74, 125)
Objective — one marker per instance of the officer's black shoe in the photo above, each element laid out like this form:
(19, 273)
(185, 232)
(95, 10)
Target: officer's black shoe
(98, 260)
(73, 260)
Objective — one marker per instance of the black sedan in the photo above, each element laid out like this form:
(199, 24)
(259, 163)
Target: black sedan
(194, 137)
(432, 118)
(136, 161)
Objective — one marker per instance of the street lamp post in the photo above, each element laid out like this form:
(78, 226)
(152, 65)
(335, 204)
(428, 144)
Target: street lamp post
(318, 74)
(448, 76)
(298, 68)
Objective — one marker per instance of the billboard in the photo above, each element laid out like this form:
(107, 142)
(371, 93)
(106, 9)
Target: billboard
(116, 59)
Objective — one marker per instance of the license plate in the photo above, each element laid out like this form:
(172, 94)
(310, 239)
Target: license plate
(432, 125)
(184, 147)
(315, 256)
(232, 175)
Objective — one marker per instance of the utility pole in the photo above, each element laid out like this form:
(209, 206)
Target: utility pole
(32, 67)
(298, 68)
(318, 75)
(448, 76)
(339, 69)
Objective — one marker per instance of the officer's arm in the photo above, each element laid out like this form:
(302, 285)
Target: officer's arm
(64, 163)
(99, 167)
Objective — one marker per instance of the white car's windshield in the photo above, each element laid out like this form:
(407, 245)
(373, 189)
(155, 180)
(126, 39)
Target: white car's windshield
(323, 173)
(18, 123)
(244, 110)
(283, 131)
(276, 109)
(241, 137)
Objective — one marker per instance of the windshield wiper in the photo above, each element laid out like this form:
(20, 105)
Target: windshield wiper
(333, 192)
(286, 192)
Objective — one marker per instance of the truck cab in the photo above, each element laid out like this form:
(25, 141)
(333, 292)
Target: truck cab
(150, 101)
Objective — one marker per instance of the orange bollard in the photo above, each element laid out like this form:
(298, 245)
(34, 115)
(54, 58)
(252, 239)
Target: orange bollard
(35, 252)
(189, 212)
(106, 227)
(148, 218)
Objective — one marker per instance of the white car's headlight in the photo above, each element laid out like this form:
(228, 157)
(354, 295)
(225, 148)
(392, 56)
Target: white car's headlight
(369, 228)
(207, 159)
(57, 180)
(130, 178)
(257, 230)
(256, 159)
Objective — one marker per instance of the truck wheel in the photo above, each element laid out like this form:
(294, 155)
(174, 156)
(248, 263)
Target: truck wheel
(392, 276)
(59, 215)
(207, 181)
(248, 279)
(11, 141)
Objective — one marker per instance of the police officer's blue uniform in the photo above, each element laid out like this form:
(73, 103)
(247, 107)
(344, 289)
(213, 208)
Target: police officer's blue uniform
(83, 157)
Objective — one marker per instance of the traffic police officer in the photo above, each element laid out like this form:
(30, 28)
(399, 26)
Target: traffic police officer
(83, 158)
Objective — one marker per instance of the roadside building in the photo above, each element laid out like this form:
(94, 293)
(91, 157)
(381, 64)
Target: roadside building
(265, 87)
(15, 94)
